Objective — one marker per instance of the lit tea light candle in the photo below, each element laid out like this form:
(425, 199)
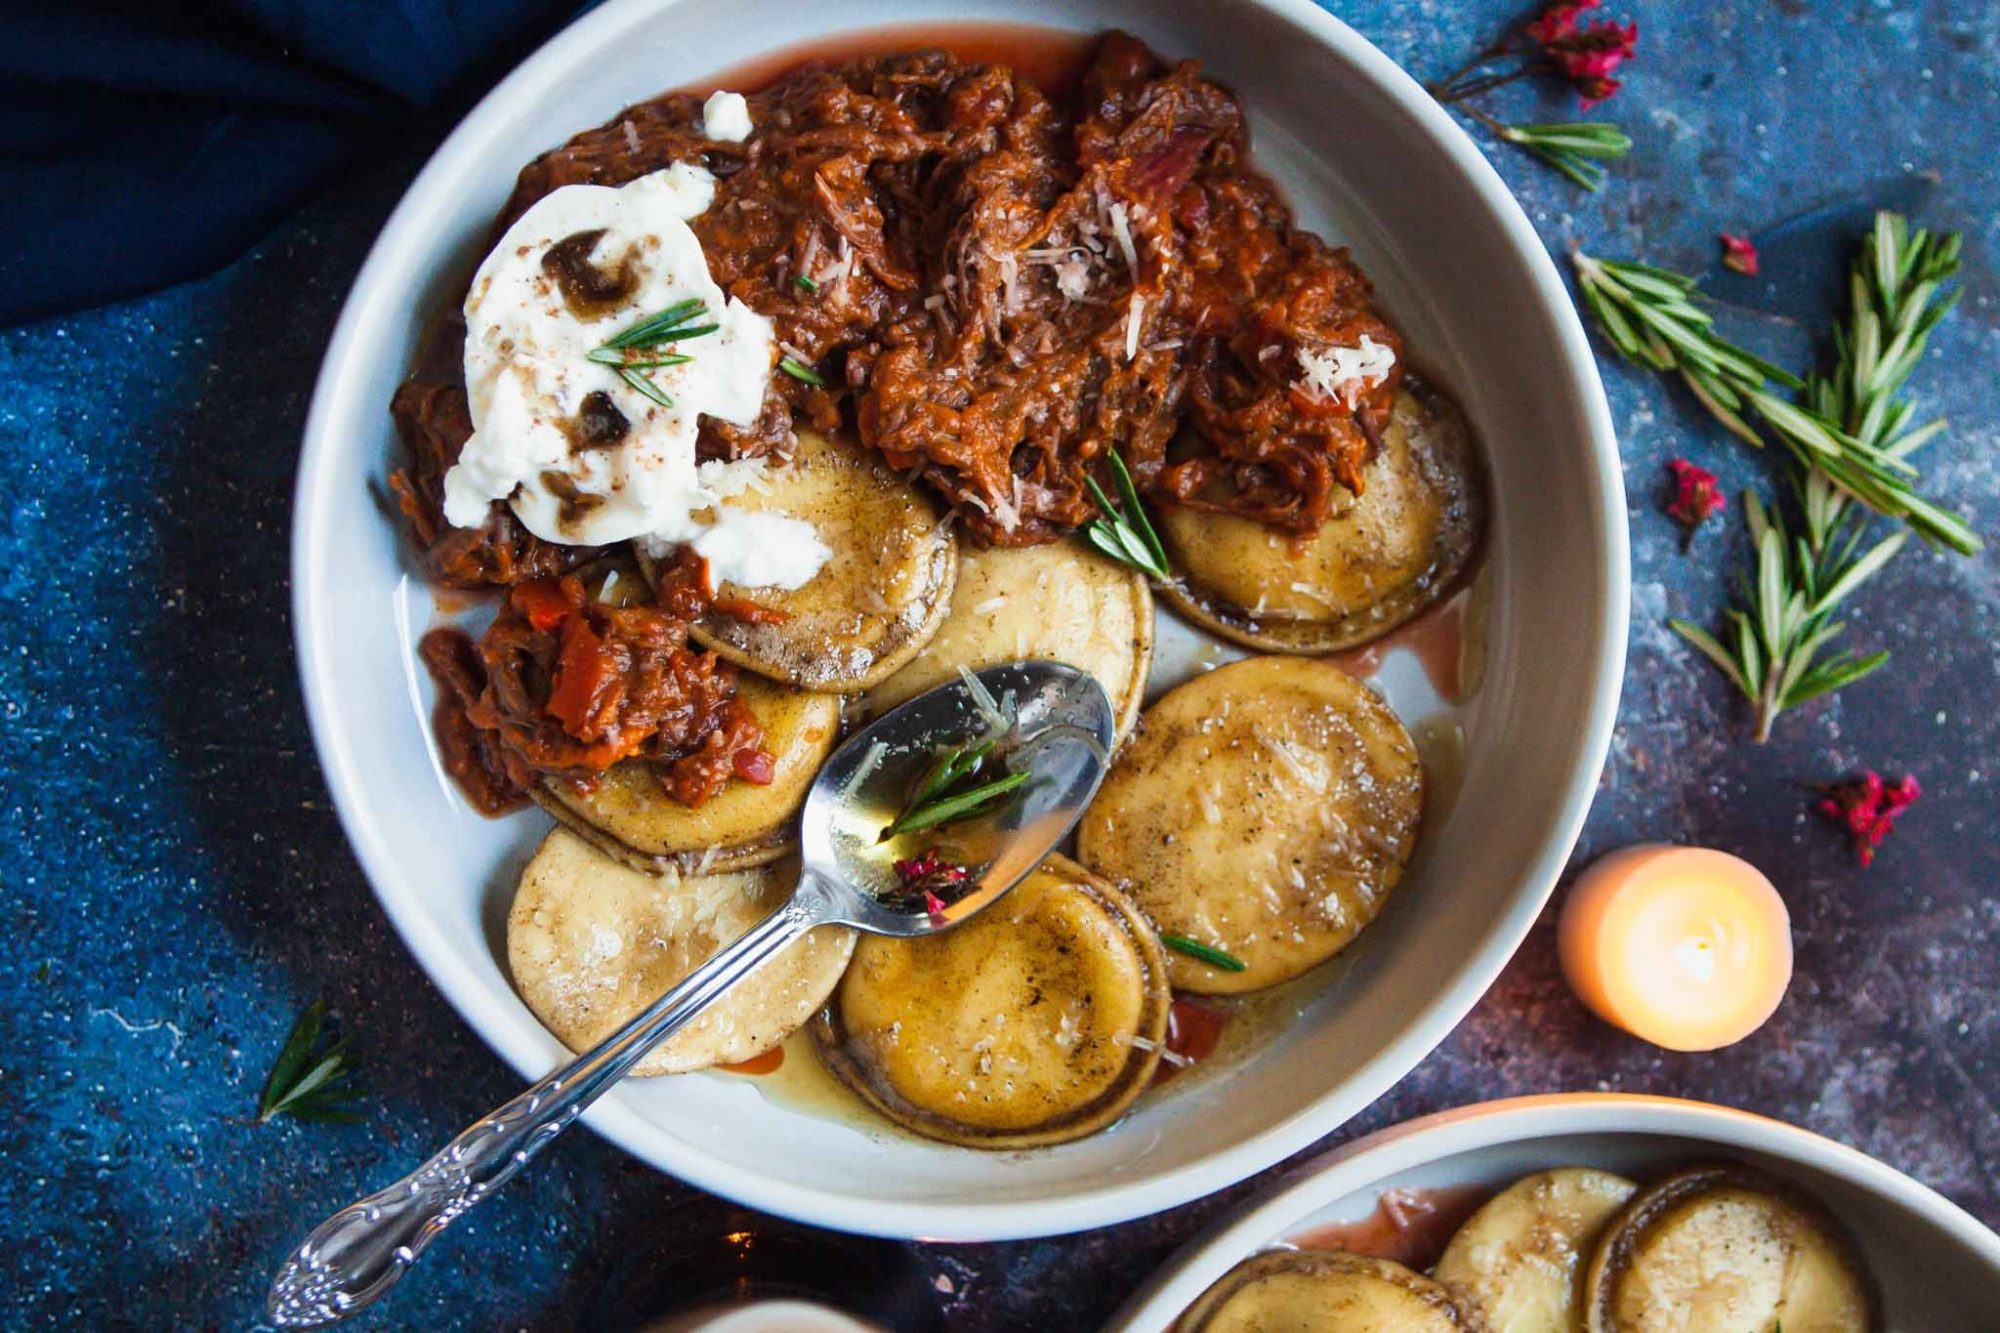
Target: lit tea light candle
(1687, 948)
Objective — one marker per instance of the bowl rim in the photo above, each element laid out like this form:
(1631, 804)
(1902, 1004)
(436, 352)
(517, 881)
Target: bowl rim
(967, 1220)
(1388, 1152)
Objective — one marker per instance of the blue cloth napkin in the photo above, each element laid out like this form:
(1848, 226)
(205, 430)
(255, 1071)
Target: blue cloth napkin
(146, 142)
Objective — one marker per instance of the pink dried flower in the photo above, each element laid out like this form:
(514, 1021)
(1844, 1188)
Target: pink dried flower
(1557, 21)
(1739, 255)
(1696, 497)
(1588, 55)
(1868, 808)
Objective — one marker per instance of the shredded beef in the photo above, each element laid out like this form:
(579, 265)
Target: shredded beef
(561, 684)
(970, 303)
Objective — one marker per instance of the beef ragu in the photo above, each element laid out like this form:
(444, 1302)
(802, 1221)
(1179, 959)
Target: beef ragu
(992, 290)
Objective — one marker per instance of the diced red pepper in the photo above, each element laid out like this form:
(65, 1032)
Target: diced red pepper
(582, 672)
(755, 766)
(542, 602)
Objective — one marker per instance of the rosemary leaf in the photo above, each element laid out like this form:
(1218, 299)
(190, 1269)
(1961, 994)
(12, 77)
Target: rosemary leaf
(1207, 953)
(309, 1081)
(639, 384)
(1571, 147)
(801, 372)
(951, 809)
(654, 328)
(1123, 532)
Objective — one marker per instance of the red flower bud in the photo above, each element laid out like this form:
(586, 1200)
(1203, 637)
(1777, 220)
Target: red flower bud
(1695, 496)
(1739, 255)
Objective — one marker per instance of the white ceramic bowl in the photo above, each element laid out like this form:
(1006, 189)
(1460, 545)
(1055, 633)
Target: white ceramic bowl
(1933, 1263)
(1371, 162)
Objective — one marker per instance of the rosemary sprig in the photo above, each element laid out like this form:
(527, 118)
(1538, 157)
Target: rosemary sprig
(1849, 436)
(802, 372)
(308, 1081)
(1573, 148)
(1848, 430)
(1555, 43)
(1207, 953)
(1649, 314)
(1124, 532)
(958, 806)
(942, 798)
(1774, 643)
(668, 326)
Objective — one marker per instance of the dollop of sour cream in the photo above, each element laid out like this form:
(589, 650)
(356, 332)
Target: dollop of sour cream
(535, 393)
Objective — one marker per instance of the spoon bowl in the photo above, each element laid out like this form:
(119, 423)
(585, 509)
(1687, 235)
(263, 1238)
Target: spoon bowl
(1065, 725)
(1056, 723)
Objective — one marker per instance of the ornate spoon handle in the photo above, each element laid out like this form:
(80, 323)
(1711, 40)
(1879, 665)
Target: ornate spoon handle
(356, 1256)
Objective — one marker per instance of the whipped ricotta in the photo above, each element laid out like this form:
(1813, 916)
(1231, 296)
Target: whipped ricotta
(582, 455)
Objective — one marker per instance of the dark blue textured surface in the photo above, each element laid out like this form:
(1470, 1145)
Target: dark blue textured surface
(177, 888)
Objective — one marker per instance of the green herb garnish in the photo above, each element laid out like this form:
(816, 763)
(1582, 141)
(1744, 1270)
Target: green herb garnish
(942, 797)
(640, 384)
(1214, 957)
(802, 372)
(309, 1082)
(611, 356)
(804, 283)
(1126, 534)
(1849, 434)
(1849, 429)
(668, 326)
(961, 805)
(1574, 148)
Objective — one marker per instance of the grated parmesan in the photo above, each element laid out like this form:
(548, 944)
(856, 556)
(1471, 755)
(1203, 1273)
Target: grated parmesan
(1343, 372)
(1072, 276)
(1121, 232)
(1010, 284)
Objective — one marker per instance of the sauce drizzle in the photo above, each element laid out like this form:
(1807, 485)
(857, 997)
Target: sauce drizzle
(767, 1063)
(1409, 1226)
(1436, 638)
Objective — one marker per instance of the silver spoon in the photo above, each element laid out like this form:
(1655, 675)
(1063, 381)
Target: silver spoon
(1065, 728)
